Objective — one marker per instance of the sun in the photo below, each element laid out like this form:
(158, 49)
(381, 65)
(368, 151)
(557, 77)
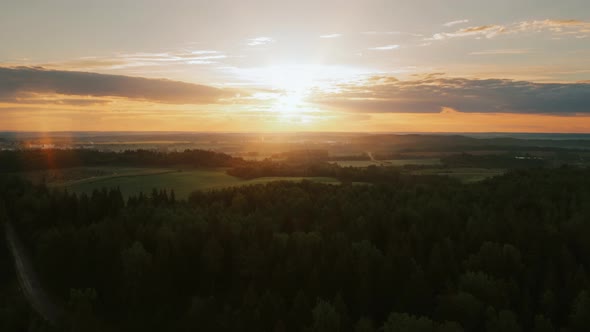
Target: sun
(287, 88)
(290, 103)
(291, 107)
(292, 84)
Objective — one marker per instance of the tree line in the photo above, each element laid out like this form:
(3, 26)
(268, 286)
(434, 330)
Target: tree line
(41, 159)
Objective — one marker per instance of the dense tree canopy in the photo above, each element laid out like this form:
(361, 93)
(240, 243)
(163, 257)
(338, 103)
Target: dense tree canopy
(402, 254)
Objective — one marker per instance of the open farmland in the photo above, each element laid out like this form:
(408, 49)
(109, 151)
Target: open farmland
(466, 175)
(392, 162)
(183, 182)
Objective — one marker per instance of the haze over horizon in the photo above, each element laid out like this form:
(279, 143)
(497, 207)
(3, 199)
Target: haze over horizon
(284, 66)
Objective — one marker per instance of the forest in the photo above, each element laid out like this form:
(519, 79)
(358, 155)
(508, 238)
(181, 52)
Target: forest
(404, 253)
(41, 159)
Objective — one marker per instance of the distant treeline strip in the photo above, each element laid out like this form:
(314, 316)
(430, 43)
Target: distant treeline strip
(27, 160)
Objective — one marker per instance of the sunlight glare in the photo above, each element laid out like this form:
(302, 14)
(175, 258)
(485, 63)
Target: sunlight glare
(294, 83)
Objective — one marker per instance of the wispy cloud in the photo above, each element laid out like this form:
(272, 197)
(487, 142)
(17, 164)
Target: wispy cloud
(381, 32)
(141, 59)
(557, 26)
(334, 35)
(260, 41)
(457, 22)
(432, 93)
(578, 28)
(192, 58)
(202, 52)
(516, 51)
(385, 48)
(488, 31)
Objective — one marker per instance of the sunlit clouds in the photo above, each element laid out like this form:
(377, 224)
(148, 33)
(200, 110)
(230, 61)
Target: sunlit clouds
(488, 31)
(515, 51)
(570, 27)
(385, 48)
(330, 36)
(457, 22)
(260, 41)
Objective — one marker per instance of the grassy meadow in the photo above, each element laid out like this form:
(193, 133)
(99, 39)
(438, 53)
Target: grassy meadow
(393, 162)
(466, 175)
(131, 181)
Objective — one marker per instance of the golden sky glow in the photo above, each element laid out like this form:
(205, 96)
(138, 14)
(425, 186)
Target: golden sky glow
(374, 65)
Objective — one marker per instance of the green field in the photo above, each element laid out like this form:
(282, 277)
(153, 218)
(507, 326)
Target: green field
(393, 162)
(134, 180)
(466, 175)
(131, 180)
(85, 174)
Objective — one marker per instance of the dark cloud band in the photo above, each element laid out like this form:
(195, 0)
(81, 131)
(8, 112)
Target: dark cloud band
(431, 94)
(15, 82)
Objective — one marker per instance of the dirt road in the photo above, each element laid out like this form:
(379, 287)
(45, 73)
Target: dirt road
(28, 280)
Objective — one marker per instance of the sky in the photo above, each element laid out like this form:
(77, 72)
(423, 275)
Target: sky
(306, 65)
